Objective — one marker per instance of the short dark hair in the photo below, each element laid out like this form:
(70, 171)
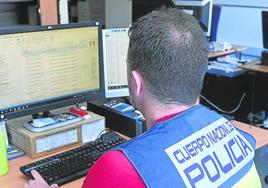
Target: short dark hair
(168, 47)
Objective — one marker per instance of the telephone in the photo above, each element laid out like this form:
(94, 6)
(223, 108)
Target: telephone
(227, 46)
(217, 46)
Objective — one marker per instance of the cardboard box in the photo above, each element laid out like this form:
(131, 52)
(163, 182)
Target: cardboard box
(47, 142)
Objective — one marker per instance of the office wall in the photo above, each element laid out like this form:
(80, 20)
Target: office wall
(8, 14)
(250, 3)
(118, 13)
(240, 22)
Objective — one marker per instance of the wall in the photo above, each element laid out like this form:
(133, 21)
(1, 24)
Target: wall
(250, 3)
(118, 13)
(8, 14)
(112, 13)
(240, 22)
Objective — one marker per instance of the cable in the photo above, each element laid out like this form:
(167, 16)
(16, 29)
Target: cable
(102, 132)
(80, 106)
(223, 111)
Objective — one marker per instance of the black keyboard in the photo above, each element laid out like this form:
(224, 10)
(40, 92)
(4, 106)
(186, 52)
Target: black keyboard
(73, 164)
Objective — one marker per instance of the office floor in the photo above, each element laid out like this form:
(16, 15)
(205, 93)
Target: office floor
(261, 163)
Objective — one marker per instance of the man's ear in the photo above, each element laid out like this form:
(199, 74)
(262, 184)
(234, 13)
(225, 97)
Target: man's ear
(137, 83)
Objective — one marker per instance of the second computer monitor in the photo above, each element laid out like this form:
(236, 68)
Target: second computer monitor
(265, 28)
(115, 46)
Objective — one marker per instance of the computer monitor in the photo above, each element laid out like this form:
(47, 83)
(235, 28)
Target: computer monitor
(265, 28)
(115, 46)
(48, 67)
(142, 7)
(201, 10)
(203, 14)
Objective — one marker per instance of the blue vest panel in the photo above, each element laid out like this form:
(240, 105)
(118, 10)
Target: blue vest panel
(196, 148)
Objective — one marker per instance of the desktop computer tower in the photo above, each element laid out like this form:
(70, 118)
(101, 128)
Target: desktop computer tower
(226, 92)
(130, 123)
(260, 92)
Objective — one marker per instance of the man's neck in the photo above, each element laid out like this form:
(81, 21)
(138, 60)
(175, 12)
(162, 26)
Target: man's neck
(159, 111)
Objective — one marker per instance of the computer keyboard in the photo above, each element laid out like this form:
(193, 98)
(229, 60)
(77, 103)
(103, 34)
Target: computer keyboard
(73, 164)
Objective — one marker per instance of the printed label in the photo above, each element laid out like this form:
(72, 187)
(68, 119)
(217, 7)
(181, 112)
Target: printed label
(209, 157)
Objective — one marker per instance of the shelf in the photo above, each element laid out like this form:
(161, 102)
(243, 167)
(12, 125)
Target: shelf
(190, 3)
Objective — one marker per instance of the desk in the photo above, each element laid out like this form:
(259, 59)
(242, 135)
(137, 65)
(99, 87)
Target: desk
(256, 68)
(234, 49)
(261, 135)
(15, 179)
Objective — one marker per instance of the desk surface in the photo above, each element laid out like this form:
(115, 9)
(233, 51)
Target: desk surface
(256, 68)
(15, 179)
(235, 48)
(261, 135)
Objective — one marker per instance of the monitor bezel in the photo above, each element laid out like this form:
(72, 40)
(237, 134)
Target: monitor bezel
(265, 29)
(61, 101)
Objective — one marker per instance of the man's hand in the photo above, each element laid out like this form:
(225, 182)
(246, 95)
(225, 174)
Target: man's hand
(38, 182)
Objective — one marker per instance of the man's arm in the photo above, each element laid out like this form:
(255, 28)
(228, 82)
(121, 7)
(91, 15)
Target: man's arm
(113, 170)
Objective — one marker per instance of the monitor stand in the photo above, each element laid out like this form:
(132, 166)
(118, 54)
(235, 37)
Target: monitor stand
(47, 121)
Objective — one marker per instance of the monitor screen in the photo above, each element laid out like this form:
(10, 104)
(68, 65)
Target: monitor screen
(47, 67)
(202, 14)
(115, 46)
(265, 28)
(142, 7)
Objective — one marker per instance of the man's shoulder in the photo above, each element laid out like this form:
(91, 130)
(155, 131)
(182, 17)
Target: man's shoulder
(113, 170)
(113, 156)
(115, 161)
